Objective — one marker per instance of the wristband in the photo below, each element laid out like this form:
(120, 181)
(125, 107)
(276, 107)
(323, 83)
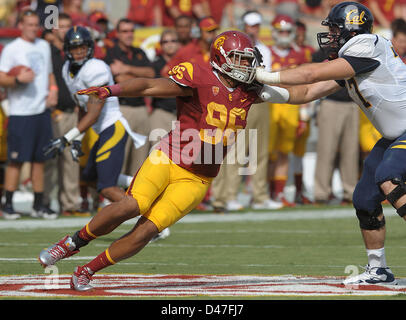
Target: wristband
(80, 137)
(267, 77)
(274, 94)
(72, 134)
(115, 89)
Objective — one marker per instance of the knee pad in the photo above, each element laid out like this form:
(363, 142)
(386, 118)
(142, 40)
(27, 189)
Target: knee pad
(401, 210)
(369, 220)
(396, 194)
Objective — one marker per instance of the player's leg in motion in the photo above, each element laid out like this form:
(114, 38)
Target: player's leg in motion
(182, 194)
(111, 216)
(380, 179)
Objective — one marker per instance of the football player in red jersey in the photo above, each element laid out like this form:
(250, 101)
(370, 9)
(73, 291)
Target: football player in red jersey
(212, 105)
(286, 125)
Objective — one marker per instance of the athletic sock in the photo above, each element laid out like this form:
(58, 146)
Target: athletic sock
(298, 183)
(103, 260)
(279, 185)
(376, 258)
(38, 196)
(83, 237)
(9, 198)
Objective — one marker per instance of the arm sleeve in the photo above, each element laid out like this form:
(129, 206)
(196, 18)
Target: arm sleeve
(274, 94)
(362, 65)
(184, 74)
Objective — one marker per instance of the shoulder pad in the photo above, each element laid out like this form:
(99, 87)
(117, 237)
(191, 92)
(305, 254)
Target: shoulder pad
(362, 46)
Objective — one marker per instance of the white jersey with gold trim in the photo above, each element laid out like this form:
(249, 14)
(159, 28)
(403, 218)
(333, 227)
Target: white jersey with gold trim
(381, 93)
(94, 73)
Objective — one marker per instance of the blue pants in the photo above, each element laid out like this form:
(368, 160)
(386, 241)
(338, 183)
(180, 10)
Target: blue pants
(27, 136)
(386, 161)
(106, 157)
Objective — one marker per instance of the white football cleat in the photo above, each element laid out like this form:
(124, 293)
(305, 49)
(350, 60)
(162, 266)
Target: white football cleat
(234, 205)
(372, 275)
(268, 204)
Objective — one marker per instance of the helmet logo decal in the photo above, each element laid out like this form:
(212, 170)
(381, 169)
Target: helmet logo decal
(219, 42)
(353, 17)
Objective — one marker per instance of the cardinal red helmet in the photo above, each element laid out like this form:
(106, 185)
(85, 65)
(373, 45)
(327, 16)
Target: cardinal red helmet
(283, 30)
(233, 53)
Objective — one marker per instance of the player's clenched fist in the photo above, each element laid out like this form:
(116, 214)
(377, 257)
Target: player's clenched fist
(101, 92)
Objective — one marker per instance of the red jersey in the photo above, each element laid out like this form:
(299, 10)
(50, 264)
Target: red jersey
(207, 121)
(142, 12)
(386, 7)
(308, 52)
(291, 60)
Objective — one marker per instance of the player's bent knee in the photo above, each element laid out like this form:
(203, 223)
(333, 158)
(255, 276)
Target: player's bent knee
(130, 208)
(370, 220)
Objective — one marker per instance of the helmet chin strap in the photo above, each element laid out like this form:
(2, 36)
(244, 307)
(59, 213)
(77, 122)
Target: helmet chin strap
(75, 66)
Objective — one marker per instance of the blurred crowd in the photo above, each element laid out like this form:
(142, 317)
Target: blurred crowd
(183, 31)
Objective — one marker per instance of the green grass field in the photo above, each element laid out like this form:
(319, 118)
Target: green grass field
(297, 246)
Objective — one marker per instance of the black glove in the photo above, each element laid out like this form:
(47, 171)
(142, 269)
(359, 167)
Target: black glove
(55, 147)
(76, 150)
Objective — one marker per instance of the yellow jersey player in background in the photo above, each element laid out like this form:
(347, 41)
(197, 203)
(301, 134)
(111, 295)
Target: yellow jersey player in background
(285, 123)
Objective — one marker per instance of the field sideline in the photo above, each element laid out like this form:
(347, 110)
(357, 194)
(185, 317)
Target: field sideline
(291, 254)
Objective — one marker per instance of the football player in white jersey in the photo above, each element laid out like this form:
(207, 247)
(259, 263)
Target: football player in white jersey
(375, 77)
(80, 71)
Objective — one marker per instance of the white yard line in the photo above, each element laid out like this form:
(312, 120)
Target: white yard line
(26, 224)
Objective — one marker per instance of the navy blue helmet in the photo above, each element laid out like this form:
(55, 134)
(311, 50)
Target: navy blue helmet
(75, 37)
(345, 20)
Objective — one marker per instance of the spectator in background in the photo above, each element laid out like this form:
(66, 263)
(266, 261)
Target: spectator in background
(31, 92)
(226, 185)
(303, 132)
(13, 10)
(385, 11)
(286, 124)
(164, 109)
(398, 27)
(128, 62)
(337, 140)
(198, 50)
(100, 30)
(218, 9)
(289, 8)
(74, 8)
(183, 27)
(172, 9)
(145, 13)
(9, 13)
(301, 40)
(64, 117)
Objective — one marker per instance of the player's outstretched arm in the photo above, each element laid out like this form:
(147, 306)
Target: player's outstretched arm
(337, 69)
(140, 87)
(299, 94)
(306, 93)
